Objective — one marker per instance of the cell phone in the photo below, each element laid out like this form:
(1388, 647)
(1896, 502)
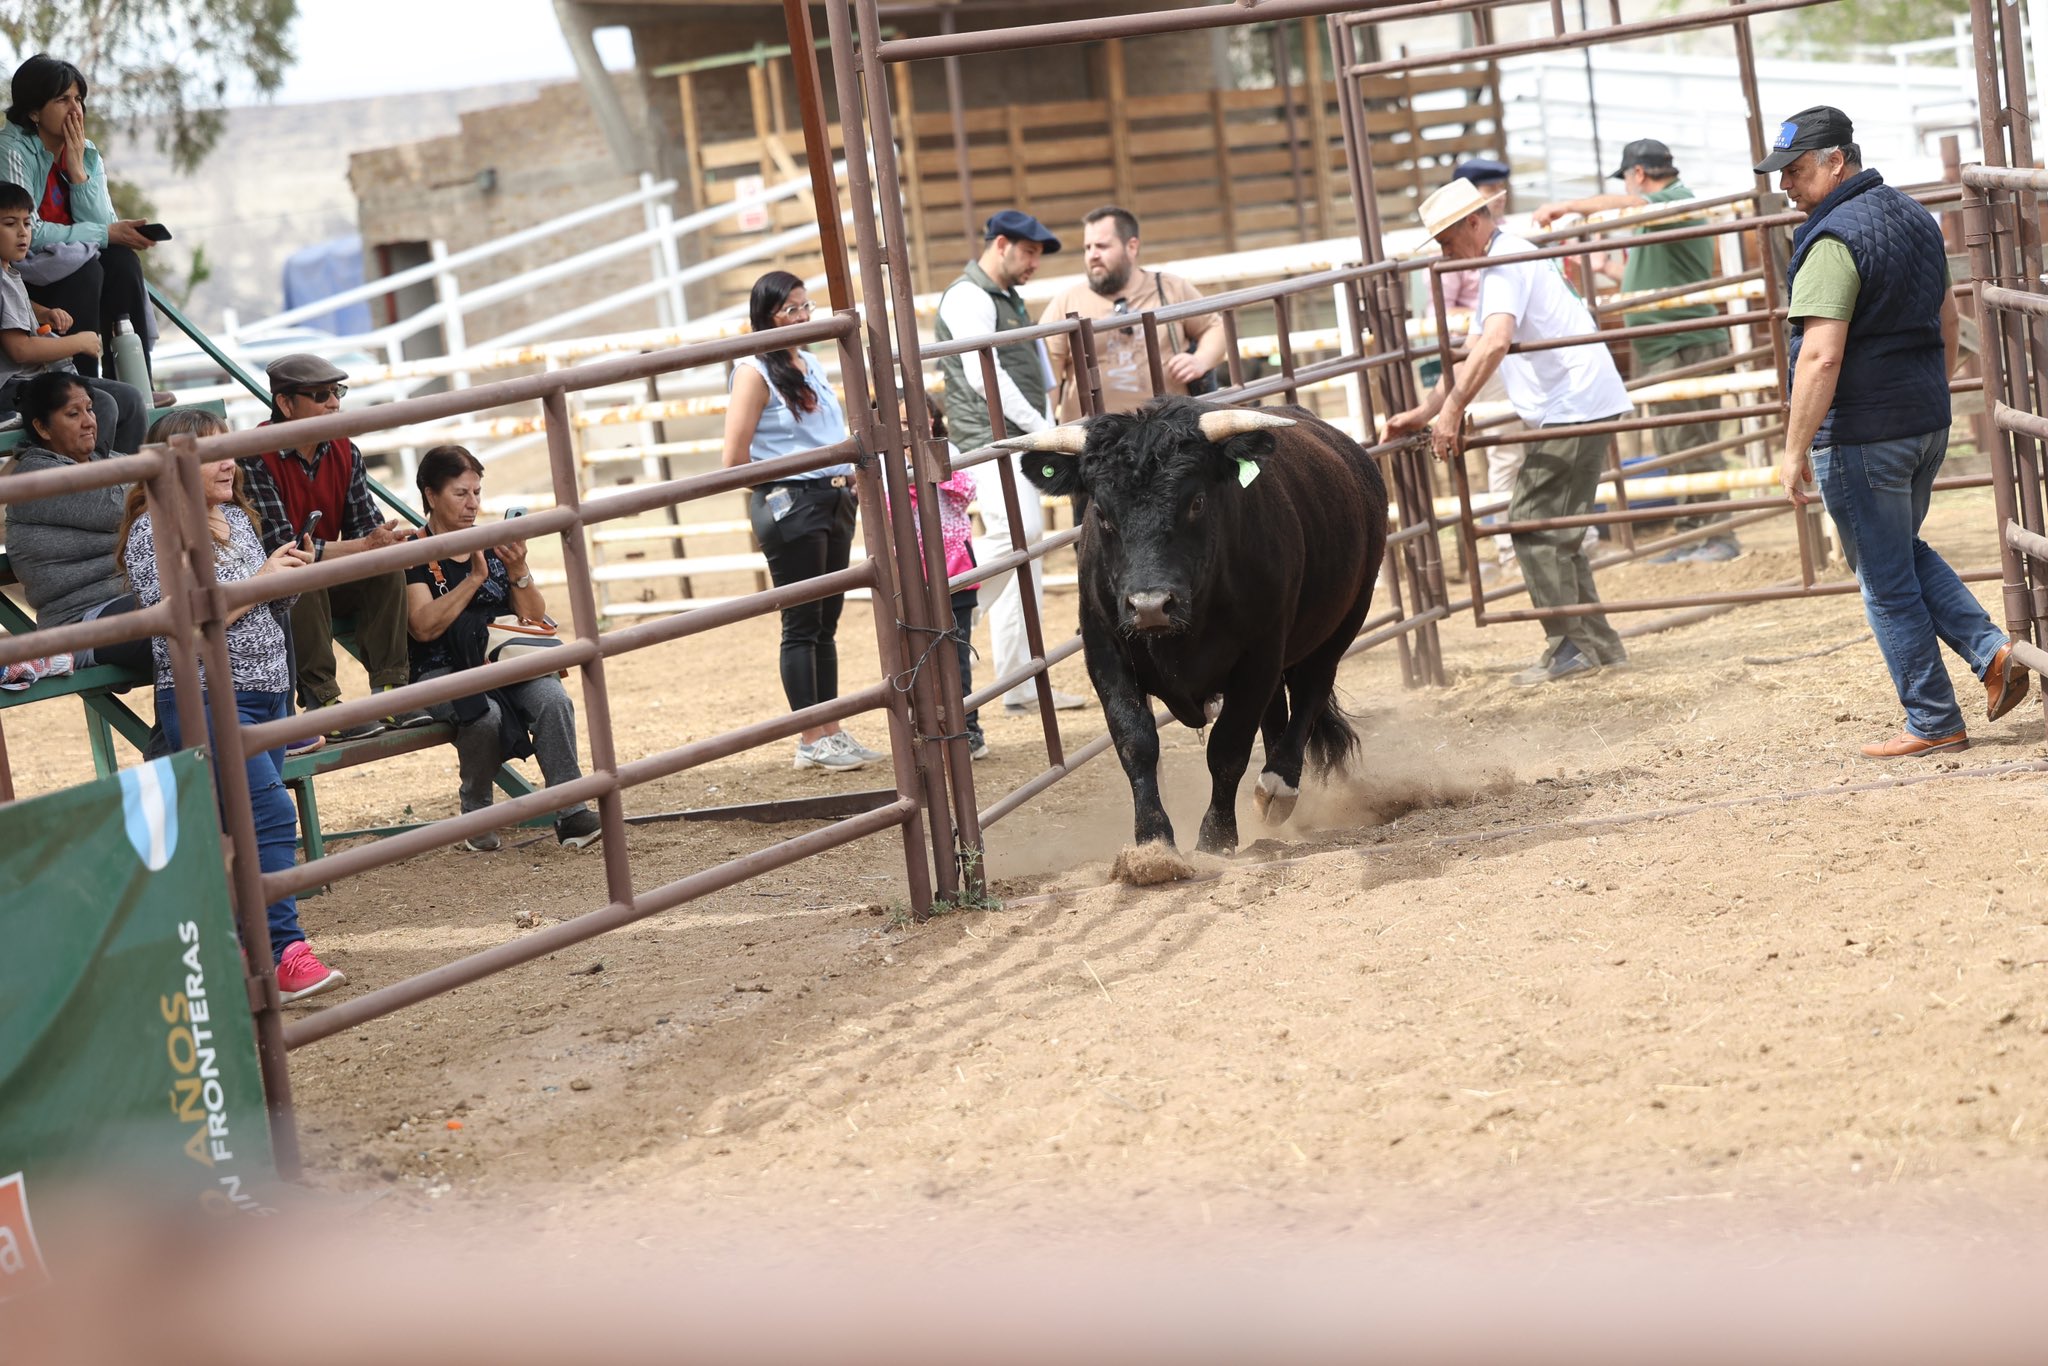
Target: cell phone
(306, 527)
(155, 232)
(512, 512)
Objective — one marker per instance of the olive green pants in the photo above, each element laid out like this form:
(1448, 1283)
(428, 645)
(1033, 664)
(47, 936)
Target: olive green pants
(1685, 436)
(378, 606)
(1558, 479)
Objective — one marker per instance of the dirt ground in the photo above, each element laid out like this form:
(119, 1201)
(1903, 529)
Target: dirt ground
(1560, 958)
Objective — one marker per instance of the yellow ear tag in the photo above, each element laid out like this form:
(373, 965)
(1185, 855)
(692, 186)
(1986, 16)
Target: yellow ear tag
(1247, 470)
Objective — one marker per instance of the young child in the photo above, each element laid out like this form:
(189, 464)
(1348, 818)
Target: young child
(958, 536)
(34, 339)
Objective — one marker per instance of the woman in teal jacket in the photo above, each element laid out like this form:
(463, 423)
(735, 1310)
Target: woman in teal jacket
(82, 259)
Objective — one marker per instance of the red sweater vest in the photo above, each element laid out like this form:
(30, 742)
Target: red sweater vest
(325, 489)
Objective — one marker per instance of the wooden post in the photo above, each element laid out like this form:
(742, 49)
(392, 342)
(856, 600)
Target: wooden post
(693, 155)
(775, 109)
(1219, 122)
(1020, 193)
(912, 178)
(1318, 123)
(1119, 121)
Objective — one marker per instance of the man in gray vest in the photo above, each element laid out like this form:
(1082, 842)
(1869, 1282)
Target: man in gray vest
(981, 302)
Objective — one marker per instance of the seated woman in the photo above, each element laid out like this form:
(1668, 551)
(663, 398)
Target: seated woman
(261, 676)
(449, 607)
(83, 259)
(66, 548)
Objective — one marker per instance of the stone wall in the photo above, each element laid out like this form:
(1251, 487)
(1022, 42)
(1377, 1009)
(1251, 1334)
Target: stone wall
(508, 168)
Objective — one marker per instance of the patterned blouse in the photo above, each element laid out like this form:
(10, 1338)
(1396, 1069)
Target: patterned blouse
(256, 644)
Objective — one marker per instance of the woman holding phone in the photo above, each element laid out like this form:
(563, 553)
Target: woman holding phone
(82, 259)
(261, 674)
(782, 405)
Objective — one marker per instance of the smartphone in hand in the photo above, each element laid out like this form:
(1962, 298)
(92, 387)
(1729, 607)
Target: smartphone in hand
(305, 533)
(155, 232)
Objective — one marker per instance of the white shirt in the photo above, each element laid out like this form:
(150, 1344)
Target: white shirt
(969, 312)
(1569, 384)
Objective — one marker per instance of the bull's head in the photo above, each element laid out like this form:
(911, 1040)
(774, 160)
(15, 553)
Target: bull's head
(1157, 488)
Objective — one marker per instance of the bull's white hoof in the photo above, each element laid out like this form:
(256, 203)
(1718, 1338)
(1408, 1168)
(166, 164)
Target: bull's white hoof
(1213, 708)
(1274, 798)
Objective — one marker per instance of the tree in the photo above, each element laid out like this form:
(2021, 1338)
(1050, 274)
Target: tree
(168, 66)
(1840, 30)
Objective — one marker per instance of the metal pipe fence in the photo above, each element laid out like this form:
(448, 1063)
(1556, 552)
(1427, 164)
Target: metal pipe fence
(193, 616)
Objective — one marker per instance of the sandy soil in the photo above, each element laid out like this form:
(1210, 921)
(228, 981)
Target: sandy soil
(1558, 958)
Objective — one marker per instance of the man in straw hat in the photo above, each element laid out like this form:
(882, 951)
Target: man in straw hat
(1528, 301)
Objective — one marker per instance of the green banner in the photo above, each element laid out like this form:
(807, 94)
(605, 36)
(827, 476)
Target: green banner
(127, 1051)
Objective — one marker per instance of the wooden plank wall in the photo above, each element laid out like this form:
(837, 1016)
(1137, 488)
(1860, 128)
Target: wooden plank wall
(1206, 172)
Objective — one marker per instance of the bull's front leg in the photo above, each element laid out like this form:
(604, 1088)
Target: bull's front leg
(1134, 733)
(1230, 752)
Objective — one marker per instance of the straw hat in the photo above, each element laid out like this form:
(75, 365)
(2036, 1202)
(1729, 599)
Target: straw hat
(1452, 204)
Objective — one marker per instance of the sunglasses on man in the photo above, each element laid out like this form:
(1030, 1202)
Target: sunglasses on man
(323, 393)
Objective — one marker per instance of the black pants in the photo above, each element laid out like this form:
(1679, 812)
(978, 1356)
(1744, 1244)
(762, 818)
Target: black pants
(815, 536)
(97, 295)
(136, 656)
(963, 644)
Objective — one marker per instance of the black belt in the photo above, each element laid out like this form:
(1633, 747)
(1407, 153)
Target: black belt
(836, 481)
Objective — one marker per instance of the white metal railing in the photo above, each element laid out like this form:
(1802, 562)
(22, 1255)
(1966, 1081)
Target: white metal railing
(255, 343)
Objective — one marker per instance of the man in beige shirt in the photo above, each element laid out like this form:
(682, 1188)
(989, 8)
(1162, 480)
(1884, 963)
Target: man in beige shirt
(1117, 284)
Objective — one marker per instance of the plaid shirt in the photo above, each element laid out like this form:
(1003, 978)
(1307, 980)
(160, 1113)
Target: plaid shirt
(358, 513)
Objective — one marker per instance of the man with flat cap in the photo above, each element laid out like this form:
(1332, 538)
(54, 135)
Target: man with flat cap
(287, 488)
(1648, 176)
(981, 301)
(1563, 386)
(1873, 344)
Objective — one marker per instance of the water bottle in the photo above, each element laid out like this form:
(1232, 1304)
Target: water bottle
(130, 365)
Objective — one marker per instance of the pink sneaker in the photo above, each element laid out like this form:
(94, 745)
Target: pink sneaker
(300, 974)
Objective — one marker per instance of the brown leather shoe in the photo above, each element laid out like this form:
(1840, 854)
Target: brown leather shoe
(1906, 745)
(2004, 686)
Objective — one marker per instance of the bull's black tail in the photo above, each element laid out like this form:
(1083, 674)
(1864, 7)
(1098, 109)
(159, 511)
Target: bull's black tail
(1332, 743)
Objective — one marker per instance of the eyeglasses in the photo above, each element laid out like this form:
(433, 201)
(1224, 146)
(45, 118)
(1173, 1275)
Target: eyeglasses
(794, 311)
(323, 393)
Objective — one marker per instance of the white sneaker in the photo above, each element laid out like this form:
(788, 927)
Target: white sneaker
(846, 736)
(827, 753)
(977, 747)
(1061, 701)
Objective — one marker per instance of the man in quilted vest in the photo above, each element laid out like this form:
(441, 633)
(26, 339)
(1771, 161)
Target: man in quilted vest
(1873, 344)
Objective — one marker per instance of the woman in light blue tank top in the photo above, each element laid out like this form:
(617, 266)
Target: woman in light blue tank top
(782, 405)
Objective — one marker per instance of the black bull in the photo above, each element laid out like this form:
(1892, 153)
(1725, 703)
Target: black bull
(1227, 557)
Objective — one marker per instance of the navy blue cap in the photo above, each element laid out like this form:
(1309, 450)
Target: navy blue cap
(1810, 130)
(1480, 171)
(1019, 226)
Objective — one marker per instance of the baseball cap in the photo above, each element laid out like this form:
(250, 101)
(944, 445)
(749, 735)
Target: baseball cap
(1647, 152)
(1809, 130)
(1019, 226)
(300, 370)
(1481, 171)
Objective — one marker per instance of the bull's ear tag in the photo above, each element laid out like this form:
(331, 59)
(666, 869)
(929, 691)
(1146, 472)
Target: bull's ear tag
(1047, 470)
(1247, 470)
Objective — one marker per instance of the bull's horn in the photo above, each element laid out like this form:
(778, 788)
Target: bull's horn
(1219, 426)
(1068, 439)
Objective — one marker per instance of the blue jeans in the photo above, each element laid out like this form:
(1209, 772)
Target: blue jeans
(277, 819)
(1877, 493)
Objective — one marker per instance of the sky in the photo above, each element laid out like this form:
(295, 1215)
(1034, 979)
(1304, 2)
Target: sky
(353, 48)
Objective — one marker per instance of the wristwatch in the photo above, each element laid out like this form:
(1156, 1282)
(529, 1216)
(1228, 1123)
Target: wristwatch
(523, 581)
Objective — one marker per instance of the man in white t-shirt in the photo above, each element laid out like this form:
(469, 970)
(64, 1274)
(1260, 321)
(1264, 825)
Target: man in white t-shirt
(1529, 301)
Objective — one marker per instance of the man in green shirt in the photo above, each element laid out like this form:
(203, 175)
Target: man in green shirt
(1649, 177)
